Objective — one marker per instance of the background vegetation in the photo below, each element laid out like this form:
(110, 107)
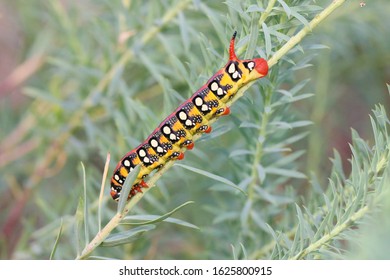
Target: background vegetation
(79, 79)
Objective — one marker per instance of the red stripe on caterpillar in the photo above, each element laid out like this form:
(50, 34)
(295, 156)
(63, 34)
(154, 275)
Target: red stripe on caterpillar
(191, 117)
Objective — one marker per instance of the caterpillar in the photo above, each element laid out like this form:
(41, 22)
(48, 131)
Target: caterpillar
(192, 117)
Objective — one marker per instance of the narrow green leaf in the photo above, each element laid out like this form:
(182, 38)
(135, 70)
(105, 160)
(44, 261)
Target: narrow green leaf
(127, 236)
(286, 8)
(261, 172)
(297, 241)
(86, 212)
(100, 258)
(155, 218)
(245, 214)
(185, 37)
(240, 152)
(307, 232)
(101, 195)
(285, 172)
(273, 199)
(237, 6)
(299, 86)
(254, 9)
(253, 36)
(288, 159)
(294, 138)
(276, 149)
(215, 18)
(127, 187)
(212, 176)
(259, 221)
(244, 252)
(285, 92)
(278, 248)
(291, 125)
(53, 251)
(233, 252)
(299, 17)
(249, 124)
(226, 216)
(292, 99)
(152, 219)
(42, 95)
(267, 38)
(281, 36)
(79, 218)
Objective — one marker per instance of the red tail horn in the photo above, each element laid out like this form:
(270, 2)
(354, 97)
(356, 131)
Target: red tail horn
(232, 54)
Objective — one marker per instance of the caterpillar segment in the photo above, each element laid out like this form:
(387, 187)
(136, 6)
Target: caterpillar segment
(192, 117)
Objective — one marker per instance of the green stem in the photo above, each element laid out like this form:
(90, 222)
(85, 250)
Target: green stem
(335, 231)
(265, 14)
(260, 146)
(301, 34)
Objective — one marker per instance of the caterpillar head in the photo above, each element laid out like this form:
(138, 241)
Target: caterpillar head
(259, 65)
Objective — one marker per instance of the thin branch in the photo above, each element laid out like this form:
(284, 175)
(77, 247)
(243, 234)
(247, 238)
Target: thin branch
(306, 30)
(335, 232)
(267, 11)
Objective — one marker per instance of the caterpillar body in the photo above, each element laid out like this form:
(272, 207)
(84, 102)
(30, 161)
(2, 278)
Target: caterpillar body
(192, 117)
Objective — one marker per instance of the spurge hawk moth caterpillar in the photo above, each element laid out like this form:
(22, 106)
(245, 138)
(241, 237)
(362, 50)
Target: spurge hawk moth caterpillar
(191, 117)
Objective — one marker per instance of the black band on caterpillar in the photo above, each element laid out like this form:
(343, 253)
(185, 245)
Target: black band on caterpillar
(190, 118)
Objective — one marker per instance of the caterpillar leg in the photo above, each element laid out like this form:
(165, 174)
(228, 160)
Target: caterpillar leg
(189, 144)
(137, 188)
(226, 111)
(177, 155)
(205, 129)
(143, 184)
(222, 111)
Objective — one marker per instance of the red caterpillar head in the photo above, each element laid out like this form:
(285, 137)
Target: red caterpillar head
(260, 65)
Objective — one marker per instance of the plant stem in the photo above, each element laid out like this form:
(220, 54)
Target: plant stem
(259, 146)
(265, 14)
(335, 231)
(301, 34)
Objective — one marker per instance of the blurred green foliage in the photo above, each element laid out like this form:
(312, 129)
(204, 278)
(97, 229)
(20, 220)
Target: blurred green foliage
(94, 77)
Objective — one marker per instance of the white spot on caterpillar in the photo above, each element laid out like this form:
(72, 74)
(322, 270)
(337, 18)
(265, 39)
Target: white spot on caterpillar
(198, 101)
(235, 75)
(189, 123)
(182, 116)
(232, 68)
(154, 143)
(160, 150)
(131, 169)
(142, 153)
(146, 160)
(126, 163)
(251, 65)
(172, 136)
(166, 129)
(205, 108)
(220, 91)
(214, 86)
(116, 177)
